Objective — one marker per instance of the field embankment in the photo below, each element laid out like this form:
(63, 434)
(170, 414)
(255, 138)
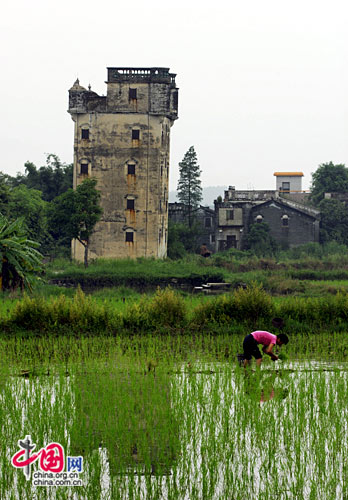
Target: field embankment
(168, 311)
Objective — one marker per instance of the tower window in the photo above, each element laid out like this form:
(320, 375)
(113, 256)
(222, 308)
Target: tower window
(85, 133)
(135, 135)
(132, 94)
(131, 169)
(130, 204)
(84, 169)
(230, 215)
(129, 237)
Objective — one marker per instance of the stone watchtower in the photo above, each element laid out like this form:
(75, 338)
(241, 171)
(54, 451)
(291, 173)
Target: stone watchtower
(123, 140)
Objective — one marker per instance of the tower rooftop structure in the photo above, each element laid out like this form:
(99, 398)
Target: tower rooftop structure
(141, 75)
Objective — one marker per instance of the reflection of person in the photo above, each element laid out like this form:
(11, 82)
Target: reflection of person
(267, 339)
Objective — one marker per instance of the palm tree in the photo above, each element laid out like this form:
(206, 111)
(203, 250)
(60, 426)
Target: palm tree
(20, 261)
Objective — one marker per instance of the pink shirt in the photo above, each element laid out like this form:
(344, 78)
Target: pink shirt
(264, 338)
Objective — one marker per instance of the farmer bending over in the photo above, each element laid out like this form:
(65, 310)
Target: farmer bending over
(267, 339)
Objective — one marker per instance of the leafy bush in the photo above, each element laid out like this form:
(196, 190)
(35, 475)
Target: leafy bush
(219, 310)
(253, 303)
(167, 308)
(244, 305)
(80, 313)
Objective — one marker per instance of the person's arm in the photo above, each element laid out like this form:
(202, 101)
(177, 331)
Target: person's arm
(267, 349)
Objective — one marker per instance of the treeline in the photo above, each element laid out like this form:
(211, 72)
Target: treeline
(39, 196)
(34, 196)
(49, 210)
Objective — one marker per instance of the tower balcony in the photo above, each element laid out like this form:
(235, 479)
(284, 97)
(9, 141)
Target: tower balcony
(141, 75)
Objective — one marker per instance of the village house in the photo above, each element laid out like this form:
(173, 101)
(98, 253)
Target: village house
(291, 221)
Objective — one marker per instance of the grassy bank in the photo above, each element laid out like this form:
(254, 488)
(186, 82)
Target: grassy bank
(167, 311)
(293, 273)
(139, 273)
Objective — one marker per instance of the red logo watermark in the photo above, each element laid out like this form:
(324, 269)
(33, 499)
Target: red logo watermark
(51, 458)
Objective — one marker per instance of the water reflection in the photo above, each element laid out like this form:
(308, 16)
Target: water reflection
(264, 386)
(204, 432)
(129, 415)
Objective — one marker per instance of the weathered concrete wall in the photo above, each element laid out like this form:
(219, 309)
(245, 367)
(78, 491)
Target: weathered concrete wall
(232, 216)
(127, 151)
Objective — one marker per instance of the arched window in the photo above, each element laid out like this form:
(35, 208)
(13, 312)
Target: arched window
(258, 218)
(131, 167)
(285, 220)
(129, 236)
(84, 167)
(85, 133)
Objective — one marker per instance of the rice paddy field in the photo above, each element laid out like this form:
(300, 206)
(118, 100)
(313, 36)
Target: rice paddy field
(176, 418)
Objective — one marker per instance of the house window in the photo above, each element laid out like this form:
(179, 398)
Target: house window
(285, 187)
(85, 133)
(285, 221)
(230, 215)
(129, 237)
(130, 204)
(207, 222)
(212, 238)
(259, 218)
(84, 169)
(135, 135)
(132, 94)
(131, 169)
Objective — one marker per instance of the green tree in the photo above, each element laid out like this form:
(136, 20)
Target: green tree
(30, 203)
(52, 179)
(334, 221)
(182, 239)
(5, 194)
(75, 213)
(328, 178)
(259, 241)
(189, 185)
(20, 260)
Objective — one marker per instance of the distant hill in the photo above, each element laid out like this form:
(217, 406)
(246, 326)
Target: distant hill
(210, 194)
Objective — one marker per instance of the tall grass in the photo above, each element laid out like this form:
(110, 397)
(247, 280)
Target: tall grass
(169, 311)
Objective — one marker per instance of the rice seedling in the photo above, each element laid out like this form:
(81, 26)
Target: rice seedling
(176, 418)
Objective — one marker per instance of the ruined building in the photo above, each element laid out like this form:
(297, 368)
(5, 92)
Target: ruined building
(122, 139)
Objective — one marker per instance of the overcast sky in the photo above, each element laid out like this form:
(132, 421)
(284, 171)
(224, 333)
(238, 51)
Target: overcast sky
(263, 84)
